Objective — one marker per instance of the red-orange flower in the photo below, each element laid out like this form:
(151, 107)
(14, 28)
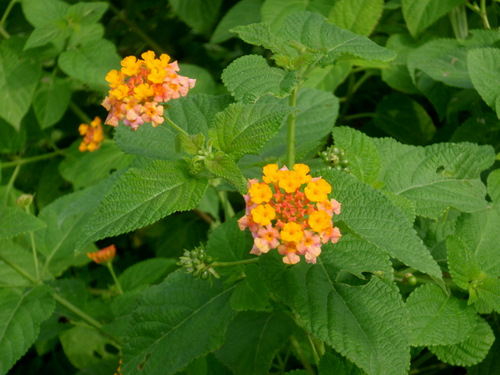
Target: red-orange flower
(104, 255)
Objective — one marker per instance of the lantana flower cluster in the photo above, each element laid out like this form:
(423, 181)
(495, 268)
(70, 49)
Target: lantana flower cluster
(139, 88)
(104, 255)
(291, 212)
(93, 135)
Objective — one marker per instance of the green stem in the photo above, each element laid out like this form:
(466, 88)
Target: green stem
(359, 115)
(109, 264)
(302, 357)
(226, 205)
(290, 140)
(133, 26)
(235, 263)
(80, 113)
(16, 285)
(4, 32)
(484, 15)
(33, 249)
(19, 270)
(32, 159)
(400, 276)
(175, 126)
(10, 184)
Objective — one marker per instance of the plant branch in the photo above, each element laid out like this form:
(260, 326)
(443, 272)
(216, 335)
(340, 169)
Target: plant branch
(4, 32)
(290, 140)
(32, 159)
(33, 249)
(235, 263)
(113, 275)
(10, 184)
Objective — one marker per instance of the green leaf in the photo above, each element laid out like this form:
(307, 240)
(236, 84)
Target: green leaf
(243, 128)
(494, 188)
(11, 140)
(483, 65)
(333, 363)
(86, 12)
(372, 316)
(20, 256)
(20, 318)
(147, 272)
(329, 77)
(205, 83)
(264, 334)
(55, 31)
(461, 262)
(437, 318)
(224, 166)
(358, 16)
(488, 290)
(404, 119)
(444, 60)
(435, 177)
(469, 352)
(194, 114)
(200, 15)
(251, 293)
(142, 196)
(84, 346)
(242, 13)
(19, 74)
(15, 221)
(375, 218)
(250, 77)
(51, 100)
(274, 12)
(90, 62)
(491, 364)
(420, 14)
(38, 13)
(364, 161)
(163, 323)
(85, 169)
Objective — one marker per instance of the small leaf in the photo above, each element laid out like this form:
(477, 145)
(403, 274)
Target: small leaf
(264, 333)
(51, 100)
(22, 257)
(200, 15)
(469, 352)
(250, 77)
(86, 12)
(437, 318)
(20, 318)
(223, 165)
(358, 16)
(55, 31)
(142, 196)
(420, 14)
(147, 272)
(162, 325)
(15, 221)
(461, 262)
(488, 290)
(38, 13)
(242, 129)
(483, 64)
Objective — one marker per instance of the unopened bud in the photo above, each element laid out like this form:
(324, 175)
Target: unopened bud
(25, 200)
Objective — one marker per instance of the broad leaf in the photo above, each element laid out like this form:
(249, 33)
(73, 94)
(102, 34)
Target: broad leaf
(462, 264)
(251, 293)
(372, 216)
(51, 101)
(494, 188)
(491, 364)
(483, 63)
(358, 16)
(223, 165)
(364, 161)
(19, 74)
(194, 114)
(163, 323)
(200, 15)
(142, 196)
(144, 273)
(488, 290)
(242, 129)
(264, 335)
(55, 31)
(274, 12)
(435, 177)
(242, 13)
(333, 363)
(470, 351)
(420, 14)
(15, 221)
(21, 257)
(250, 77)
(437, 318)
(20, 318)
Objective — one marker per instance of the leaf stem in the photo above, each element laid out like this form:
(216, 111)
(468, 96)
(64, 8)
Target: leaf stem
(33, 249)
(32, 159)
(80, 113)
(10, 184)
(290, 140)
(109, 264)
(175, 126)
(359, 115)
(4, 32)
(19, 270)
(235, 263)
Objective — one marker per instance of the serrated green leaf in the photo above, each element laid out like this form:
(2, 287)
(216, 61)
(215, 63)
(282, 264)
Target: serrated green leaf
(195, 114)
(251, 293)
(163, 323)
(55, 31)
(483, 63)
(364, 161)
(420, 14)
(437, 318)
(491, 364)
(488, 290)
(264, 335)
(358, 16)
(243, 128)
(38, 12)
(274, 12)
(51, 100)
(469, 352)
(144, 273)
(329, 77)
(15, 221)
(461, 262)
(404, 119)
(84, 34)
(250, 77)
(20, 256)
(242, 13)
(20, 318)
(86, 12)
(333, 363)
(142, 196)
(373, 217)
(494, 188)
(19, 74)
(435, 177)
(372, 316)
(200, 15)
(222, 165)
(90, 62)
(444, 60)
(85, 169)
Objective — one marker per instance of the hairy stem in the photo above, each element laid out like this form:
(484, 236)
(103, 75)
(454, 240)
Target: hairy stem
(175, 126)
(109, 264)
(290, 140)
(235, 263)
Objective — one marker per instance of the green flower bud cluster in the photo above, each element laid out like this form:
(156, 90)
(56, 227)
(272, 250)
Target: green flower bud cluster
(198, 263)
(336, 158)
